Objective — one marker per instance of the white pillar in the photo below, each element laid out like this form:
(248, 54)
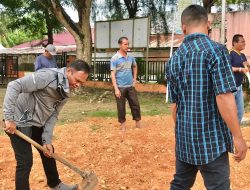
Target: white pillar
(223, 20)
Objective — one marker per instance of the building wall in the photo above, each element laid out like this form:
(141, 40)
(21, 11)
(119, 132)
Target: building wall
(236, 23)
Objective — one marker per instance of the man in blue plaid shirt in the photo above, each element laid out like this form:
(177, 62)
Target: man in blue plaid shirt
(201, 82)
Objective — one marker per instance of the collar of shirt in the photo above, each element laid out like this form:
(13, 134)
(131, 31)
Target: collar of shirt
(63, 79)
(193, 36)
(121, 56)
(236, 51)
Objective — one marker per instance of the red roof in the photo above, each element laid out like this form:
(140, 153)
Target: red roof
(61, 39)
(66, 39)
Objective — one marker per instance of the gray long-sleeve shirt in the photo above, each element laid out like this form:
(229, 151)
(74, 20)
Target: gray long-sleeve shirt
(36, 99)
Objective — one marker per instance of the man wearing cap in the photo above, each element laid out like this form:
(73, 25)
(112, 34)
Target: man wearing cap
(47, 59)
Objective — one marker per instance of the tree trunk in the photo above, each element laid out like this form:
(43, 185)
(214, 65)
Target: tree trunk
(207, 4)
(85, 30)
(80, 31)
(84, 46)
(132, 6)
(49, 28)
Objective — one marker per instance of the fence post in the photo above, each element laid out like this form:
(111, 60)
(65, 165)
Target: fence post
(147, 52)
(94, 66)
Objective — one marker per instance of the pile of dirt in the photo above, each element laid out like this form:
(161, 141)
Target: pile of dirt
(144, 161)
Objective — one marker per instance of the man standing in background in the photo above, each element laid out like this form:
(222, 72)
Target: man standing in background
(124, 80)
(47, 59)
(239, 65)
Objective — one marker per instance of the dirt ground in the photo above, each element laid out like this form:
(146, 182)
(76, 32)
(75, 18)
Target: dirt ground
(144, 161)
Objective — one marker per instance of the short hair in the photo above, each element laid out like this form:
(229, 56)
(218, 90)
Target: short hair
(122, 38)
(236, 38)
(80, 65)
(194, 14)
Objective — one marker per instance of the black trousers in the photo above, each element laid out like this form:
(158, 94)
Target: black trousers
(128, 93)
(215, 174)
(24, 158)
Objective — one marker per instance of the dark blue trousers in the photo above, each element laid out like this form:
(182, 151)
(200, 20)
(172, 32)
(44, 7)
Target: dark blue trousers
(215, 174)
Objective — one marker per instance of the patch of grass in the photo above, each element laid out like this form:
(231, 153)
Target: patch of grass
(1, 131)
(102, 113)
(93, 102)
(95, 127)
(153, 104)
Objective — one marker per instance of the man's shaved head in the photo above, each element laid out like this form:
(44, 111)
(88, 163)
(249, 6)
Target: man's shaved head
(194, 15)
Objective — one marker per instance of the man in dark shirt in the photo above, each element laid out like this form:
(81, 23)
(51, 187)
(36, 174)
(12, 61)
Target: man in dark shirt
(201, 82)
(47, 59)
(239, 62)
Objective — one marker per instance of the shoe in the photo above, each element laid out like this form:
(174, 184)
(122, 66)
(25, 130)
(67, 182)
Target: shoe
(62, 186)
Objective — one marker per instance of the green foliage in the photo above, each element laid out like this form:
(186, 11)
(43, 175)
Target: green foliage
(10, 37)
(24, 20)
(123, 9)
(245, 4)
(102, 113)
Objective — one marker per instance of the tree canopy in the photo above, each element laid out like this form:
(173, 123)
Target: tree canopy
(28, 18)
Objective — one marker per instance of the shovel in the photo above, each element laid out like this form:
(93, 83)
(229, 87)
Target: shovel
(89, 177)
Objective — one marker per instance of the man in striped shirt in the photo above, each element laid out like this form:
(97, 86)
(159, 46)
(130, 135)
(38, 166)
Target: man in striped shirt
(201, 83)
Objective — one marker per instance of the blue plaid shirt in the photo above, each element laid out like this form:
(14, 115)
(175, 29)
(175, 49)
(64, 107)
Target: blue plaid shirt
(197, 72)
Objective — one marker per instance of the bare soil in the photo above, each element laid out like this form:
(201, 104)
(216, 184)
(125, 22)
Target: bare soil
(144, 161)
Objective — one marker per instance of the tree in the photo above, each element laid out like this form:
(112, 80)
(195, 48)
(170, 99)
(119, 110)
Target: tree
(121, 9)
(30, 16)
(10, 37)
(159, 15)
(132, 7)
(207, 4)
(81, 30)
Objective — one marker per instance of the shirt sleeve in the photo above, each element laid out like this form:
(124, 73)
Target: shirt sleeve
(51, 122)
(171, 84)
(112, 65)
(134, 61)
(244, 57)
(54, 62)
(231, 58)
(38, 63)
(27, 84)
(221, 72)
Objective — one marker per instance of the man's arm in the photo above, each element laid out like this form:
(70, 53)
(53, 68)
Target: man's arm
(25, 84)
(38, 63)
(117, 91)
(49, 128)
(240, 70)
(51, 122)
(174, 109)
(135, 69)
(228, 110)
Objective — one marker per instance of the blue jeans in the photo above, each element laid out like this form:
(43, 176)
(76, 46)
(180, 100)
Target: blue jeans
(239, 102)
(215, 174)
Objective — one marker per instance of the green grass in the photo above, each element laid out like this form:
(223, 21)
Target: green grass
(102, 113)
(92, 102)
(95, 127)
